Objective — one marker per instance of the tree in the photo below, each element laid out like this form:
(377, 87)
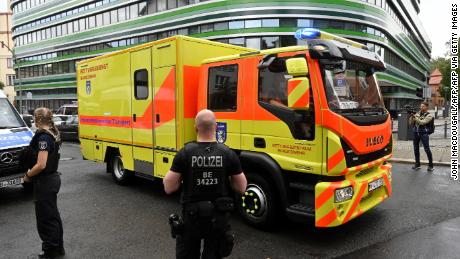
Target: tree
(443, 64)
(2, 85)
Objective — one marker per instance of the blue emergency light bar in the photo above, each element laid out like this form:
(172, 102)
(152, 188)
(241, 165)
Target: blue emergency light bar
(307, 34)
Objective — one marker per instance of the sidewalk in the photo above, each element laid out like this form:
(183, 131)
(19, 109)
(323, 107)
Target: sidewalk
(403, 151)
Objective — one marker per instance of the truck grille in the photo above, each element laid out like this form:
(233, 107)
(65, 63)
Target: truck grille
(9, 161)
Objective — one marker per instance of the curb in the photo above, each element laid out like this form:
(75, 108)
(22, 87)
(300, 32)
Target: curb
(423, 162)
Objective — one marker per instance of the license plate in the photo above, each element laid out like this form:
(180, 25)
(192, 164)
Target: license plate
(375, 184)
(11, 182)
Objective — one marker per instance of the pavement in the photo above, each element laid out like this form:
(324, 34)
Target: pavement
(105, 220)
(403, 150)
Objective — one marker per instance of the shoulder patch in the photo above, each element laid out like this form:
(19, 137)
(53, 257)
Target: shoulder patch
(42, 145)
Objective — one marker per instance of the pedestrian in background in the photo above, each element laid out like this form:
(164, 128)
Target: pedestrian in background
(43, 160)
(206, 169)
(421, 123)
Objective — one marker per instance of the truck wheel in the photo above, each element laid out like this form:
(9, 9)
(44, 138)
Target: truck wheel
(120, 175)
(257, 205)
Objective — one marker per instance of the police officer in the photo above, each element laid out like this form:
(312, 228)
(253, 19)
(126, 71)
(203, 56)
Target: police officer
(206, 169)
(43, 157)
(420, 122)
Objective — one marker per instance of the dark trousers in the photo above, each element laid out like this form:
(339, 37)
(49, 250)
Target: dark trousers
(49, 224)
(188, 244)
(424, 137)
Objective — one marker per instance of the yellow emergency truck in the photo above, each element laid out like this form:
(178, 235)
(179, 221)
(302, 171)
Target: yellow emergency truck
(308, 122)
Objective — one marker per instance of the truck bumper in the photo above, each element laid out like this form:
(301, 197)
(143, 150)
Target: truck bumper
(330, 213)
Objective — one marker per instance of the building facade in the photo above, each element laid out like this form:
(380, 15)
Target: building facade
(437, 100)
(51, 35)
(6, 57)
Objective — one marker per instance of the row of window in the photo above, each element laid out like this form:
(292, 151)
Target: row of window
(44, 92)
(51, 104)
(391, 58)
(238, 24)
(63, 14)
(27, 4)
(47, 69)
(157, 6)
(82, 24)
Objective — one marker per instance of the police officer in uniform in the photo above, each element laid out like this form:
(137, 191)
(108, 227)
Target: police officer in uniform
(43, 158)
(206, 169)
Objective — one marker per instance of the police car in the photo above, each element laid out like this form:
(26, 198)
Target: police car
(14, 139)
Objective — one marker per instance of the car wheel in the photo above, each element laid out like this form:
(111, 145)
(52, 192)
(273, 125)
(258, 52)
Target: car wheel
(120, 174)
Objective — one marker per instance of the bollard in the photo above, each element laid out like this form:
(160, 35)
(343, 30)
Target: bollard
(445, 129)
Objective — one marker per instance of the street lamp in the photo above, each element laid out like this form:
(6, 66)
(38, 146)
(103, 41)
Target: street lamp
(18, 76)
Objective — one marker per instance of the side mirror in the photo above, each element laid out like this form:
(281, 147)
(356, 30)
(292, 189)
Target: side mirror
(298, 86)
(297, 67)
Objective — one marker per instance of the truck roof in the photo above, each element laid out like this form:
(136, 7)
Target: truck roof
(152, 43)
(256, 53)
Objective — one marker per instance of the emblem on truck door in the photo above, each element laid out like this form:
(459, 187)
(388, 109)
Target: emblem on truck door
(88, 87)
(221, 132)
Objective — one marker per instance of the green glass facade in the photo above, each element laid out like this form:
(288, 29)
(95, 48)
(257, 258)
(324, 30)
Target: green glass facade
(51, 35)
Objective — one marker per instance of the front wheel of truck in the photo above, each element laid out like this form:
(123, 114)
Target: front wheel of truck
(120, 174)
(258, 204)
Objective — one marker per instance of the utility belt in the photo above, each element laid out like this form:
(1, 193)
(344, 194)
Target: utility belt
(207, 209)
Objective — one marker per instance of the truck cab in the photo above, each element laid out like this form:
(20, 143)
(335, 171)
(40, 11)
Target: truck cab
(14, 138)
(309, 125)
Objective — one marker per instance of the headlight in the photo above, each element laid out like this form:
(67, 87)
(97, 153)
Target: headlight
(343, 194)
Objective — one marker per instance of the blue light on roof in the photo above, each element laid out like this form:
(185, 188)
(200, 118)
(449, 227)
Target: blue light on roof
(307, 34)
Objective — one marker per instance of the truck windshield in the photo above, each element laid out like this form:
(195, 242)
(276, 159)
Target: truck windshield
(352, 89)
(9, 118)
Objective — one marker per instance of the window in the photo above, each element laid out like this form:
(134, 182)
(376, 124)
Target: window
(270, 42)
(141, 84)
(99, 20)
(221, 26)
(272, 96)
(271, 23)
(10, 80)
(82, 23)
(236, 25)
(113, 16)
(106, 18)
(91, 22)
(172, 4)
(75, 26)
(9, 62)
(222, 88)
(181, 3)
(134, 11)
(237, 41)
(253, 24)
(161, 5)
(207, 27)
(253, 43)
(122, 14)
(142, 8)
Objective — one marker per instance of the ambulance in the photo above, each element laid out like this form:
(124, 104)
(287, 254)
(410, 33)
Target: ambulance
(307, 122)
(15, 137)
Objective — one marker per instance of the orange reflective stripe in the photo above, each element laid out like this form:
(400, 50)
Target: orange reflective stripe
(335, 160)
(356, 202)
(292, 84)
(326, 220)
(387, 184)
(325, 195)
(165, 100)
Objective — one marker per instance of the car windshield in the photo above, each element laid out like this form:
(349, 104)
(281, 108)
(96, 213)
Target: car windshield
(352, 88)
(9, 118)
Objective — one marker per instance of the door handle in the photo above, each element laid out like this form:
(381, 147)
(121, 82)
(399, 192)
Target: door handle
(157, 118)
(259, 142)
(134, 117)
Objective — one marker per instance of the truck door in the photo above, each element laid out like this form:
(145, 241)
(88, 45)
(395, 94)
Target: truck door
(224, 98)
(142, 110)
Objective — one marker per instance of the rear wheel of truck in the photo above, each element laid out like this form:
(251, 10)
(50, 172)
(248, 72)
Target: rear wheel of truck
(120, 174)
(258, 205)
